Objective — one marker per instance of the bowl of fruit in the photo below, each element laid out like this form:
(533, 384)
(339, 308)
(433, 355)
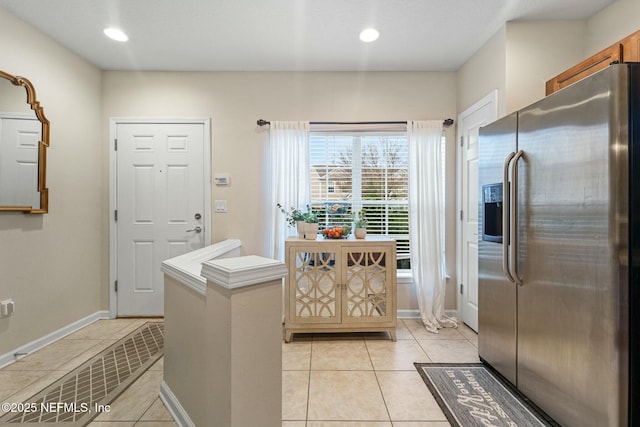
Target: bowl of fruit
(336, 232)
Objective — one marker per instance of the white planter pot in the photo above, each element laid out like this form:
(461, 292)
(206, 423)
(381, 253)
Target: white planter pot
(310, 231)
(300, 226)
(360, 233)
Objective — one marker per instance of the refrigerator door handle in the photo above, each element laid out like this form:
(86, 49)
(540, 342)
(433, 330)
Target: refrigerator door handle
(506, 209)
(513, 219)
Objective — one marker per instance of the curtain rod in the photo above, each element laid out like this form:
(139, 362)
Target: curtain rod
(446, 123)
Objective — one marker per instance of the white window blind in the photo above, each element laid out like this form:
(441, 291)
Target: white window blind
(351, 171)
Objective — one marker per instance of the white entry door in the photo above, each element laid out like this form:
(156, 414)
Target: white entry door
(160, 203)
(469, 122)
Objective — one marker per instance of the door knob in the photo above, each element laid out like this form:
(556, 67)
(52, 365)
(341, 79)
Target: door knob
(197, 230)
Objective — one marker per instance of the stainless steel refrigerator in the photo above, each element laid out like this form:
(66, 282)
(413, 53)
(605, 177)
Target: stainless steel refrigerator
(559, 252)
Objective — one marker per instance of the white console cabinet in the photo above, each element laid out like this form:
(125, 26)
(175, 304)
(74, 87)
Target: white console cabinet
(341, 285)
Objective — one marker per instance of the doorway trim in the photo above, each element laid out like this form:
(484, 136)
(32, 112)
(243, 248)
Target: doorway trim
(113, 225)
(490, 98)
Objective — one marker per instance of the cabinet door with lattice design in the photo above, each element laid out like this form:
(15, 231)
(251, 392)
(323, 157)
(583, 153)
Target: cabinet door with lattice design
(367, 274)
(314, 285)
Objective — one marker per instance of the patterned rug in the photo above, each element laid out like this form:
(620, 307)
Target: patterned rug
(471, 395)
(85, 392)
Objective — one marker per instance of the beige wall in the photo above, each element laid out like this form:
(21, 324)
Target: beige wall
(535, 52)
(185, 359)
(51, 264)
(611, 24)
(517, 61)
(235, 100)
(484, 72)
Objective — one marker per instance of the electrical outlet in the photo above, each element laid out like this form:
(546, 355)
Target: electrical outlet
(7, 307)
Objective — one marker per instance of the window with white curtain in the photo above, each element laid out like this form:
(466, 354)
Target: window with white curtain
(356, 170)
(363, 169)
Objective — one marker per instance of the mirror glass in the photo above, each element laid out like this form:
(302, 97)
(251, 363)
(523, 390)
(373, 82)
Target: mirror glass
(24, 137)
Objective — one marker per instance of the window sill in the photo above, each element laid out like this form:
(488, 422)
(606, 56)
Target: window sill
(404, 277)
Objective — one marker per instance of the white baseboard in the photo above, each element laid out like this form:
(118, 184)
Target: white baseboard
(452, 313)
(174, 407)
(37, 344)
(415, 314)
(408, 314)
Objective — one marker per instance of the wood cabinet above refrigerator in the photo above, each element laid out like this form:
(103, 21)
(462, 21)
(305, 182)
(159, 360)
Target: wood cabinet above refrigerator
(625, 50)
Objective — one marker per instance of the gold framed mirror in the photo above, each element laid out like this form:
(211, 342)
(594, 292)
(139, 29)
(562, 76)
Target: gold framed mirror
(24, 138)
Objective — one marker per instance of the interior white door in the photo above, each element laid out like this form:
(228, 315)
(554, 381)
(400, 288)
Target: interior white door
(160, 207)
(19, 142)
(469, 122)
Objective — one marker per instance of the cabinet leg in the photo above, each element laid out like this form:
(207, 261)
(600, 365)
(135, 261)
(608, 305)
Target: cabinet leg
(392, 332)
(287, 335)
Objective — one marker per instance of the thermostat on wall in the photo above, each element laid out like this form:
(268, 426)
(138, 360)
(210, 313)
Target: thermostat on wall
(221, 179)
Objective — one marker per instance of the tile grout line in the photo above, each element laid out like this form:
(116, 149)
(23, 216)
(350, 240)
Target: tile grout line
(411, 332)
(375, 373)
(146, 410)
(306, 413)
(415, 340)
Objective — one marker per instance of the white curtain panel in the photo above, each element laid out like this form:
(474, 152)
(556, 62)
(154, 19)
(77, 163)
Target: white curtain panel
(290, 187)
(426, 225)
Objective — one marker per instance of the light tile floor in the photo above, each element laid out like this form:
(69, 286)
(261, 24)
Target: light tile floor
(366, 380)
(328, 380)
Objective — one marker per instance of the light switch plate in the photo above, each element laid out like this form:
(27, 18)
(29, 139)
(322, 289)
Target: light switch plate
(220, 206)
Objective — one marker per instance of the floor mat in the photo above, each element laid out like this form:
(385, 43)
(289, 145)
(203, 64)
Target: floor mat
(471, 395)
(85, 392)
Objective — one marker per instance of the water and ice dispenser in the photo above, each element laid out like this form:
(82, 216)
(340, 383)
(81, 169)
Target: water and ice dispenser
(492, 212)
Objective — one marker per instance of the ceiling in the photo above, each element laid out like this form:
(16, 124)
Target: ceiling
(277, 35)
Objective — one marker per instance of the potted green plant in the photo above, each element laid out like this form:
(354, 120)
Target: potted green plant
(360, 223)
(294, 217)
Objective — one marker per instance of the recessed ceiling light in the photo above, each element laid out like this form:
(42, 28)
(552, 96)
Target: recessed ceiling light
(116, 34)
(369, 35)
